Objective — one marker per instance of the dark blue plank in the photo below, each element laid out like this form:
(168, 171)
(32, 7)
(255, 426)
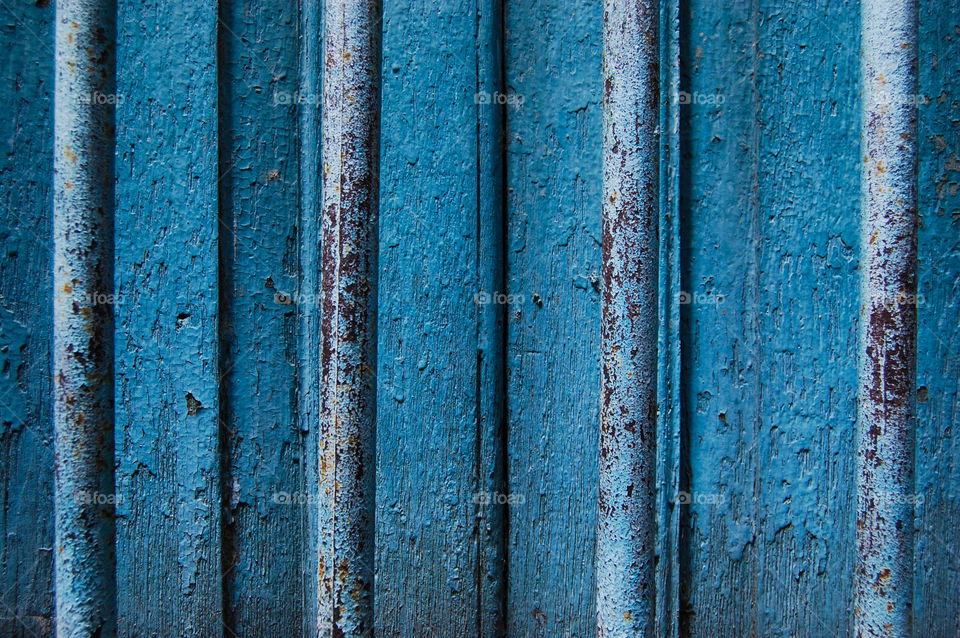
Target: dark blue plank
(26, 446)
(937, 555)
(263, 480)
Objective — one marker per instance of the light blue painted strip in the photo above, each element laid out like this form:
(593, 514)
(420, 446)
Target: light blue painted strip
(626, 530)
(350, 142)
(83, 317)
(886, 397)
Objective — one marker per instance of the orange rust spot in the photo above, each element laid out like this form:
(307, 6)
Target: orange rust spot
(880, 168)
(890, 607)
(68, 287)
(627, 615)
(873, 238)
(68, 185)
(882, 78)
(885, 574)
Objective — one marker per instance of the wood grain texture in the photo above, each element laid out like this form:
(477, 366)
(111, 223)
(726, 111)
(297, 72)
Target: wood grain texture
(265, 500)
(26, 445)
(770, 200)
(553, 60)
(767, 192)
(936, 555)
(168, 463)
(308, 293)
(438, 530)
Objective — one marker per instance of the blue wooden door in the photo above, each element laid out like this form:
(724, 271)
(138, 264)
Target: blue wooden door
(199, 311)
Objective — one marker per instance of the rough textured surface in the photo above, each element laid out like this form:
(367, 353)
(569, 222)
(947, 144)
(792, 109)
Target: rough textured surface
(167, 391)
(83, 318)
(936, 558)
(440, 492)
(887, 355)
(266, 502)
(350, 144)
(769, 194)
(553, 60)
(26, 442)
(669, 346)
(308, 290)
(769, 210)
(629, 324)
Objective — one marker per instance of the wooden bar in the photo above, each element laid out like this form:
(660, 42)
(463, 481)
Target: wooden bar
(169, 543)
(267, 506)
(887, 362)
(83, 317)
(26, 318)
(350, 133)
(308, 290)
(626, 530)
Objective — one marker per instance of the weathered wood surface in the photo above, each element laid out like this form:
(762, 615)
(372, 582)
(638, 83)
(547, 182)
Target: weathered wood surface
(169, 575)
(553, 60)
(438, 520)
(266, 502)
(769, 192)
(768, 195)
(26, 443)
(936, 555)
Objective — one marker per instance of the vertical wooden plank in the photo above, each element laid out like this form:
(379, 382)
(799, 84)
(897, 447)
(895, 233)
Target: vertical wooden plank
(441, 498)
(266, 502)
(168, 464)
(669, 300)
(350, 142)
(936, 560)
(629, 325)
(769, 190)
(553, 61)
(887, 349)
(83, 317)
(308, 293)
(26, 444)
